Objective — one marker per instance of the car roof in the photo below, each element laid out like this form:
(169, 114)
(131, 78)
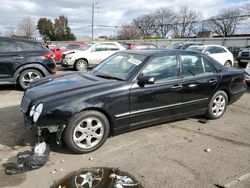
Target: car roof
(208, 45)
(18, 39)
(158, 51)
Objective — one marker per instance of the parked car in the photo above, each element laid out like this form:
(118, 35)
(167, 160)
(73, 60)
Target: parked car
(219, 53)
(235, 50)
(182, 45)
(130, 90)
(22, 61)
(243, 57)
(59, 49)
(90, 57)
(247, 70)
(139, 45)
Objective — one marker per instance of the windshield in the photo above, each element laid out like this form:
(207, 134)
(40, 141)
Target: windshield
(196, 48)
(85, 47)
(120, 66)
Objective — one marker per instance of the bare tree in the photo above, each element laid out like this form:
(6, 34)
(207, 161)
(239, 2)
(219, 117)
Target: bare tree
(163, 20)
(246, 7)
(10, 31)
(145, 24)
(128, 31)
(185, 24)
(226, 23)
(27, 26)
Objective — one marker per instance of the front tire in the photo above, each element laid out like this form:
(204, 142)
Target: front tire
(217, 105)
(28, 76)
(86, 131)
(81, 65)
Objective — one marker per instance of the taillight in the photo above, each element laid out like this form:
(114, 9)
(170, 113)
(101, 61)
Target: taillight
(49, 55)
(53, 69)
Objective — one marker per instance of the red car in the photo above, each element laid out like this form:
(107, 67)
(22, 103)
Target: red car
(139, 45)
(59, 49)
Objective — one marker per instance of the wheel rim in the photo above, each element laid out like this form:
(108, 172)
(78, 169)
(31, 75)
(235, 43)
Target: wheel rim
(88, 133)
(219, 104)
(90, 178)
(227, 64)
(29, 77)
(81, 65)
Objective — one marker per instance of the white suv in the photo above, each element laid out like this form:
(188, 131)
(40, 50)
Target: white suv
(219, 53)
(90, 57)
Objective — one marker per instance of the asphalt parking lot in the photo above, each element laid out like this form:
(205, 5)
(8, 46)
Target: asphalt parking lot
(170, 155)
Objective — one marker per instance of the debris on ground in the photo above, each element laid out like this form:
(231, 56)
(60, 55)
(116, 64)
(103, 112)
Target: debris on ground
(91, 159)
(62, 161)
(28, 160)
(98, 178)
(207, 150)
(54, 171)
(203, 121)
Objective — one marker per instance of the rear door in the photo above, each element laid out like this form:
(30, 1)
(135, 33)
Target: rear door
(200, 80)
(217, 53)
(10, 58)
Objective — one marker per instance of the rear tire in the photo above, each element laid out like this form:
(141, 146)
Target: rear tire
(242, 65)
(28, 76)
(81, 65)
(217, 105)
(228, 63)
(86, 131)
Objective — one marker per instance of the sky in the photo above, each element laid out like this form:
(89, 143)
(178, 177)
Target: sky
(107, 12)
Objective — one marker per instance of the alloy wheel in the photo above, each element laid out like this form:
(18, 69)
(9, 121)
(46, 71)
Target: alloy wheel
(29, 77)
(88, 133)
(219, 105)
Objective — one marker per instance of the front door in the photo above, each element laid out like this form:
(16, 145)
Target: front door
(155, 103)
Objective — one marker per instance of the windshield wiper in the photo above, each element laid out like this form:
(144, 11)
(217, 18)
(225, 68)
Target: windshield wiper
(108, 77)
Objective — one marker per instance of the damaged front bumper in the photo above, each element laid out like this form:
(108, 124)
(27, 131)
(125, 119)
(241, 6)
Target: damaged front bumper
(42, 131)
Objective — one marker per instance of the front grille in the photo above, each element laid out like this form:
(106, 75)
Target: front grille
(246, 54)
(25, 104)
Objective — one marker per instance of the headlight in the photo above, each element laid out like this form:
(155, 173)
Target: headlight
(37, 112)
(32, 110)
(239, 54)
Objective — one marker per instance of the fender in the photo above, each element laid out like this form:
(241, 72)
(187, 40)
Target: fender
(32, 66)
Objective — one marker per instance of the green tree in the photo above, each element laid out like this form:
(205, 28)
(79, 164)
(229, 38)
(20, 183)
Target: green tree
(46, 28)
(62, 30)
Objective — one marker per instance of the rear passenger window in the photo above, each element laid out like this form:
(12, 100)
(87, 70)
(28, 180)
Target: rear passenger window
(194, 66)
(8, 46)
(26, 46)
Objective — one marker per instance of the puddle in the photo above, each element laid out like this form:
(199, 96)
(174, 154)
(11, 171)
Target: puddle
(98, 178)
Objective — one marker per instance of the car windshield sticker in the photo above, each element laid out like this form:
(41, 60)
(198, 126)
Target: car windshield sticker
(134, 61)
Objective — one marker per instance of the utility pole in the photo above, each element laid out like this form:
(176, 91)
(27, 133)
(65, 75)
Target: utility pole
(92, 25)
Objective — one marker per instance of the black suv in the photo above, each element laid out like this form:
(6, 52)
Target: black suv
(22, 61)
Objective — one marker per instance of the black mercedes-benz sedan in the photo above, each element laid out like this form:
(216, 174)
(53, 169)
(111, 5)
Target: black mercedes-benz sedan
(127, 91)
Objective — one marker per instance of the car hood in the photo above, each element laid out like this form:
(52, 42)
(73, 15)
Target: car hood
(59, 86)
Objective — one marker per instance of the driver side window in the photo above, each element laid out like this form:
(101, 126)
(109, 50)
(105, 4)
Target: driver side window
(162, 68)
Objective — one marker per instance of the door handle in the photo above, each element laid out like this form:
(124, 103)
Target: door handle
(212, 81)
(192, 85)
(19, 58)
(177, 87)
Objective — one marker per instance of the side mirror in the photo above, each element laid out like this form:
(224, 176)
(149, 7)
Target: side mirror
(143, 80)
